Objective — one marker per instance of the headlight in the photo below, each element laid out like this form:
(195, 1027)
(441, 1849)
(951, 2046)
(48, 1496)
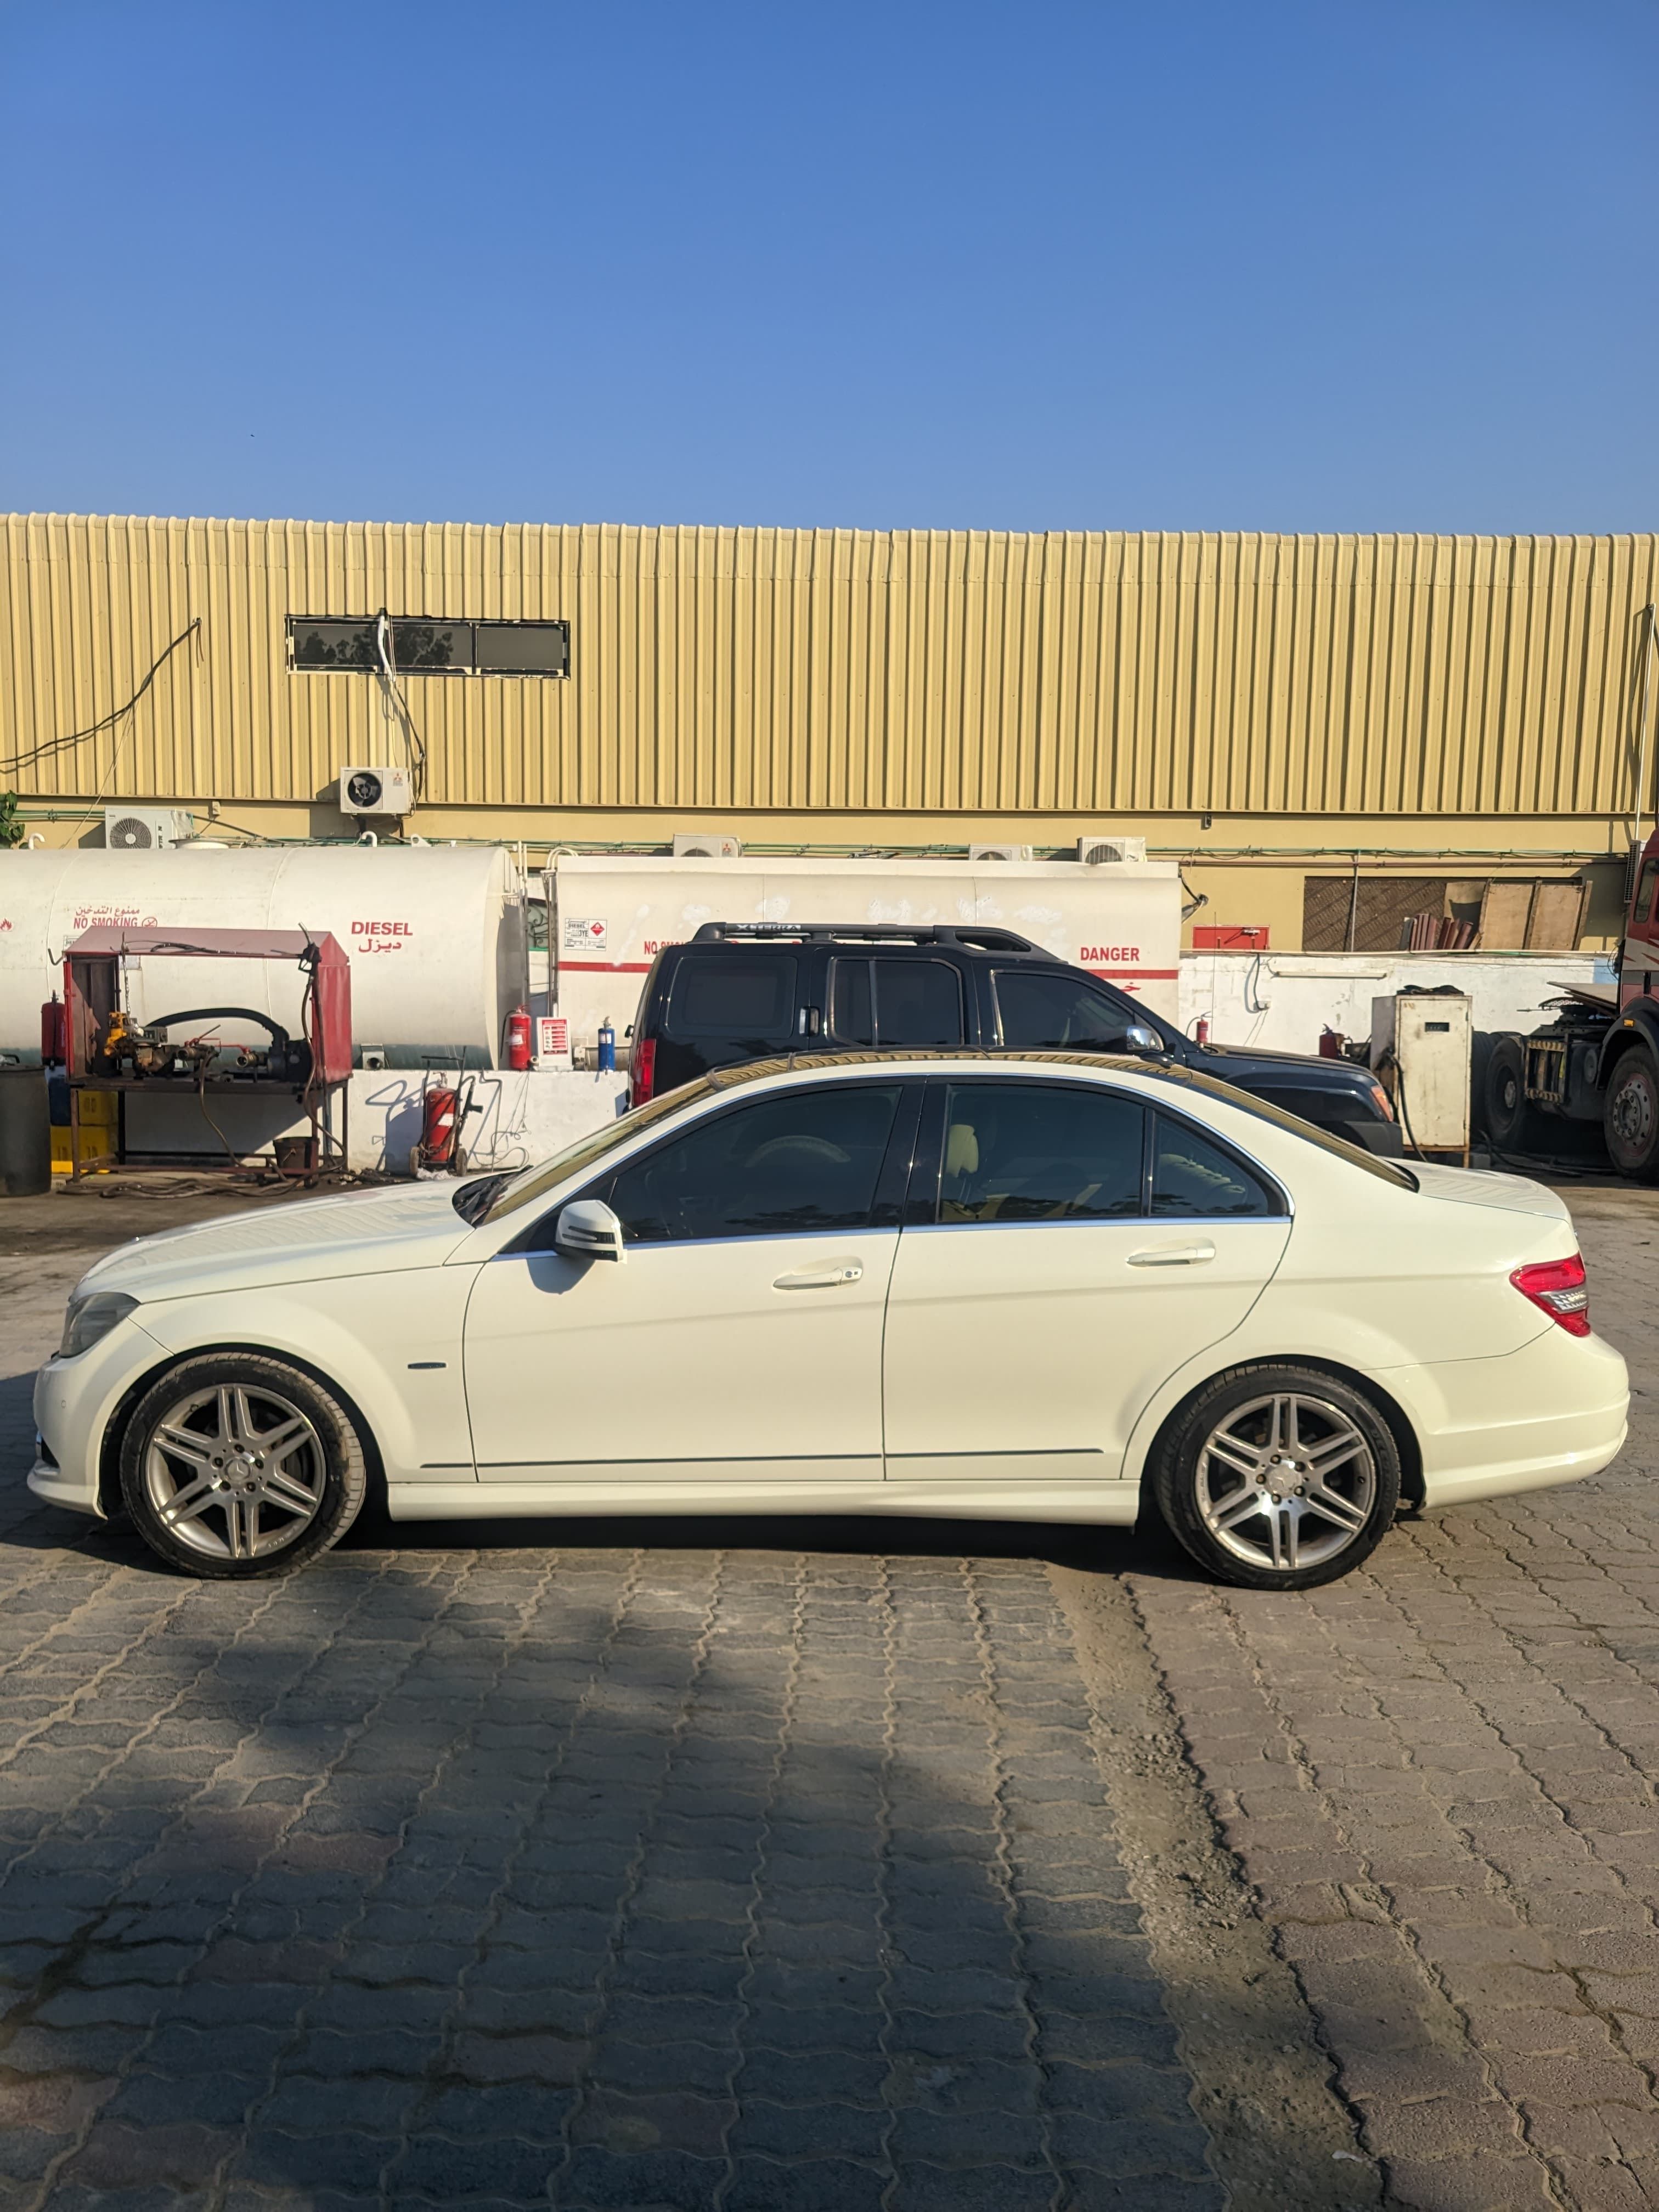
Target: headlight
(92, 1317)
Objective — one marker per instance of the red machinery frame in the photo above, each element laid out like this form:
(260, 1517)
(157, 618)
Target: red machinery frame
(92, 994)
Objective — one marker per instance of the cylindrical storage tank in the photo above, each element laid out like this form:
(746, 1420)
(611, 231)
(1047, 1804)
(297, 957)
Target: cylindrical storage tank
(25, 1134)
(612, 913)
(437, 935)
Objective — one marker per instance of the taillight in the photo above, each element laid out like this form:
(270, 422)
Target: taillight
(1382, 1102)
(642, 1069)
(1558, 1287)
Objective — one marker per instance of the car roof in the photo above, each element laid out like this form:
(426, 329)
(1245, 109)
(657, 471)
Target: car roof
(922, 1056)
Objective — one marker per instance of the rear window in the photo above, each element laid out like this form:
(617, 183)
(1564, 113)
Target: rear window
(739, 998)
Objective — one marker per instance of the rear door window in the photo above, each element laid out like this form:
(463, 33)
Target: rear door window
(741, 998)
(896, 1004)
(1195, 1180)
(852, 1013)
(1033, 1152)
(1037, 1012)
(808, 1160)
(918, 1002)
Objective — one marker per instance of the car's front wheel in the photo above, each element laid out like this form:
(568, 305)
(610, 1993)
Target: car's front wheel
(1277, 1477)
(234, 1465)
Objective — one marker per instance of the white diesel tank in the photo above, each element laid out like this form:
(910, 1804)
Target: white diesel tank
(610, 916)
(437, 934)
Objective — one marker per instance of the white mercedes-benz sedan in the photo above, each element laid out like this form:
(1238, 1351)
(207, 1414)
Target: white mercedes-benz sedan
(1030, 1286)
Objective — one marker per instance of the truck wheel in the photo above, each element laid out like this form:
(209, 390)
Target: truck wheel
(1276, 1477)
(1511, 1123)
(1630, 1117)
(234, 1465)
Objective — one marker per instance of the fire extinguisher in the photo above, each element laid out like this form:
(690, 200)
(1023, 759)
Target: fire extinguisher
(518, 1038)
(54, 1032)
(1202, 1034)
(444, 1115)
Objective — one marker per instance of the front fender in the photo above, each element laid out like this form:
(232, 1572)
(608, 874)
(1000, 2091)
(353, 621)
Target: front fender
(392, 1344)
(1637, 1025)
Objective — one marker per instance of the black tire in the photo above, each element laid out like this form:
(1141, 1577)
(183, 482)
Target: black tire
(416, 1158)
(457, 1161)
(1210, 1442)
(1630, 1115)
(195, 1440)
(1511, 1123)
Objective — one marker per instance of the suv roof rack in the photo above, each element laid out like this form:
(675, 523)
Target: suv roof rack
(877, 932)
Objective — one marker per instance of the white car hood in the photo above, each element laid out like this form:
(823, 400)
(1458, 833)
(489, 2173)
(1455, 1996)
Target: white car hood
(362, 1233)
(1509, 1194)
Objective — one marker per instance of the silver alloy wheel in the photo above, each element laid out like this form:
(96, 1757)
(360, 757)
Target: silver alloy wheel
(235, 1471)
(1286, 1482)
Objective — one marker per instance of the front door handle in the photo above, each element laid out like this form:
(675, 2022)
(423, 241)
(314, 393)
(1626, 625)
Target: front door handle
(821, 1279)
(1173, 1255)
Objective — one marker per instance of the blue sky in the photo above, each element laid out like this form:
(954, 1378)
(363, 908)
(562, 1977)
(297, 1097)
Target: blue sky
(1365, 264)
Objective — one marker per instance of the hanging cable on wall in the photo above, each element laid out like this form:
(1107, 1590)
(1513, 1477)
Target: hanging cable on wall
(54, 745)
(396, 705)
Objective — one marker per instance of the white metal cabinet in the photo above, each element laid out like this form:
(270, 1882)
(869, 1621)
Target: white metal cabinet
(730, 1359)
(1025, 1352)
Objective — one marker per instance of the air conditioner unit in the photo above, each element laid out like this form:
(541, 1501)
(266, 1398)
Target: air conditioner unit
(1111, 852)
(707, 845)
(375, 791)
(146, 829)
(998, 852)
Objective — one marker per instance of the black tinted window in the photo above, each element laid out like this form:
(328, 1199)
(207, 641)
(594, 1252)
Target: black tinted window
(1194, 1178)
(851, 1018)
(739, 998)
(918, 1002)
(1023, 1151)
(1038, 1011)
(807, 1161)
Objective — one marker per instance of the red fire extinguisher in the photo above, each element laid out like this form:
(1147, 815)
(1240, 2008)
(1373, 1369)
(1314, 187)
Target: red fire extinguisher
(518, 1038)
(1202, 1034)
(444, 1115)
(54, 1032)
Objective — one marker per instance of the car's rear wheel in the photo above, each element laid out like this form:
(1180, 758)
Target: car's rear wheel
(235, 1466)
(1277, 1477)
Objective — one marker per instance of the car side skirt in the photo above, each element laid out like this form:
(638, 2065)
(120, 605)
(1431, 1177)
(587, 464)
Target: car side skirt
(1109, 1504)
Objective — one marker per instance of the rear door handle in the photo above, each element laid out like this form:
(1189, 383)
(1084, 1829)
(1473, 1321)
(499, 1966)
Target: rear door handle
(821, 1279)
(1173, 1255)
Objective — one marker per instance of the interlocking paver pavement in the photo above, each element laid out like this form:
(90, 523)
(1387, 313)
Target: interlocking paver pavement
(700, 1878)
(713, 1876)
(1440, 1775)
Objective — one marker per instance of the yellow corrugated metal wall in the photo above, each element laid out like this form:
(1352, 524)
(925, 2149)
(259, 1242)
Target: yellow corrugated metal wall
(850, 671)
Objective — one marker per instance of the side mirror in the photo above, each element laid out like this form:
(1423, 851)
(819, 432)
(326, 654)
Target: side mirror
(588, 1230)
(1138, 1038)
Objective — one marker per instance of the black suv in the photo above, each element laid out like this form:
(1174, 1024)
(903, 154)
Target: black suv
(744, 991)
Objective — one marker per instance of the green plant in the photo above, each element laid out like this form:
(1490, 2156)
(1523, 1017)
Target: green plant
(11, 821)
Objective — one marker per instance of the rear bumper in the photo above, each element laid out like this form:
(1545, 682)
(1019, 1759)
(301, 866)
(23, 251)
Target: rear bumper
(1553, 1412)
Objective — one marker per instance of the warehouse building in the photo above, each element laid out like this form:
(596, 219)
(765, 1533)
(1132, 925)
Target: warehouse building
(1347, 742)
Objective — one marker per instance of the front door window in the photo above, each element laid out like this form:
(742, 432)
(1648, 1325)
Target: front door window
(805, 1162)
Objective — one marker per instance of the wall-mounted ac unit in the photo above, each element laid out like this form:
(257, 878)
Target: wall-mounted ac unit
(998, 852)
(1111, 852)
(375, 791)
(146, 829)
(707, 845)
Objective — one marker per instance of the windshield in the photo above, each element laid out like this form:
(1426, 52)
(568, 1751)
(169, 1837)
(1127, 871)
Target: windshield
(525, 1188)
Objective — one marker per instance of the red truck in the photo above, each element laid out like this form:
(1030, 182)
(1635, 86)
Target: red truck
(1598, 1060)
